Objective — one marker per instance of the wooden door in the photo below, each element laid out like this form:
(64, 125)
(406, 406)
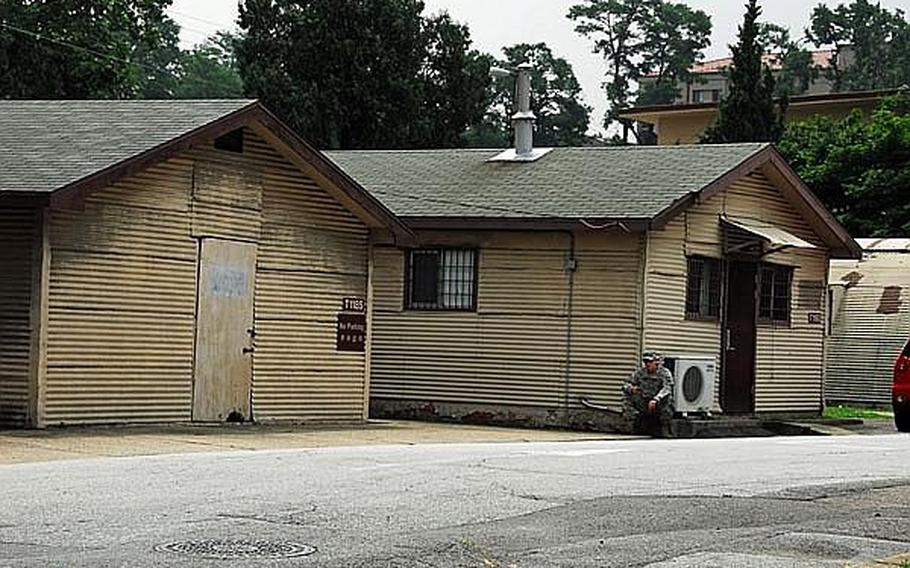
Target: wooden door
(224, 331)
(738, 386)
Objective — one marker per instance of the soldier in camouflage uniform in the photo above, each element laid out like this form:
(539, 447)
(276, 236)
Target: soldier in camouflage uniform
(647, 403)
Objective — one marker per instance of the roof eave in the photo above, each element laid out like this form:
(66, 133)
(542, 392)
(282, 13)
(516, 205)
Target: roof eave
(453, 223)
(74, 193)
(750, 164)
(328, 169)
(849, 248)
(846, 247)
(11, 199)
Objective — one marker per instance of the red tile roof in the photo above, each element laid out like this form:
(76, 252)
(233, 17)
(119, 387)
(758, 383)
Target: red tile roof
(820, 58)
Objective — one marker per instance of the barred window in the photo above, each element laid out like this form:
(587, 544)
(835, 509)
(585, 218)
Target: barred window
(441, 279)
(703, 288)
(774, 303)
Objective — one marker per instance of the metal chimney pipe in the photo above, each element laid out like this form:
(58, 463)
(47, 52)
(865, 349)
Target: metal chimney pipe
(523, 119)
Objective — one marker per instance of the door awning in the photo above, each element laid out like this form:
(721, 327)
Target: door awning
(772, 235)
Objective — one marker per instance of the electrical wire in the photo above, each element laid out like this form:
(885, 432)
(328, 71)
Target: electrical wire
(475, 206)
(201, 20)
(60, 42)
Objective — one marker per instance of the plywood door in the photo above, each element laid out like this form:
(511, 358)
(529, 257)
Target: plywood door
(224, 324)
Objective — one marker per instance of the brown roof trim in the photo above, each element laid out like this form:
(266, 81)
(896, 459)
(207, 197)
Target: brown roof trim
(802, 99)
(331, 171)
(74, 193)
(17, 199)
(850, 246)
(768, 155)
(524, 224)
(746, 167)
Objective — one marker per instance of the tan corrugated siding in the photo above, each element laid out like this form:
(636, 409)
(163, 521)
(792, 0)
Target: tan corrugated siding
(122, 302)
(123, 290)
(789, 361)
(864, 342)
(17, 233)
(513, 349)
(312, 253)
(606, 315)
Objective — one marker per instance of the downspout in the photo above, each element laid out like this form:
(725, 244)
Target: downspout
(642, 296)
(571, 266)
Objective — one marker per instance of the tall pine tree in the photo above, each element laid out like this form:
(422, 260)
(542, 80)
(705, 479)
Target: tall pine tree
(748, 113)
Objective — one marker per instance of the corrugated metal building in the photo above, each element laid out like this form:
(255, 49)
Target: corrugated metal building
(870, 322)
(176, 261)
(538, 282)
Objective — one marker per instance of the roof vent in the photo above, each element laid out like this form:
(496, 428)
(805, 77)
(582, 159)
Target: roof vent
(522, 120)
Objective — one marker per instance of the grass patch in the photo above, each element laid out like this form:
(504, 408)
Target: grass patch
(841, 411)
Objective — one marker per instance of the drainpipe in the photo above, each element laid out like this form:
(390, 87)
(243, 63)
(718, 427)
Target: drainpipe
(571, 266)
(642, 296)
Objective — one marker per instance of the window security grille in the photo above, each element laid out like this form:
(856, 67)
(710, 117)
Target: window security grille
(703, 288)
(442, 279)
(774, 302)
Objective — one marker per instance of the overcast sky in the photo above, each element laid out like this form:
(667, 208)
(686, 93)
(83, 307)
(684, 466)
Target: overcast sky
(498, 23)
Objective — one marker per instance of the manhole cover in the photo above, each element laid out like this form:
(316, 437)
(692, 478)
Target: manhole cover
(228, 549)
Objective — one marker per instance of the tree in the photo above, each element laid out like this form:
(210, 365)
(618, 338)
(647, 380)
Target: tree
(639, 38)
(362, 73)
(748, 113)
(859, 166)
(455, 82)
(562, 118)
(675, 37)
(871, 45)
(797, 69)
(209, 71)
(79, 49)
(158, 64)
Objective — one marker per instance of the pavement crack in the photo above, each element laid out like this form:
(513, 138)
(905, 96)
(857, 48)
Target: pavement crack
(815, 493)
(262, 519)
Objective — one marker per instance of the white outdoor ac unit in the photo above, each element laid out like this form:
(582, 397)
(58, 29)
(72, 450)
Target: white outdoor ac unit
(694, 377)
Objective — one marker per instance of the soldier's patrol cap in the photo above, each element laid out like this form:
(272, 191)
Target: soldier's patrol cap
(650, 357)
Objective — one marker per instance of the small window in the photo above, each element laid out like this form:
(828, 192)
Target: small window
(706, 95)
(441, 279)
(774, 303)
(703, 288)
(230, 142)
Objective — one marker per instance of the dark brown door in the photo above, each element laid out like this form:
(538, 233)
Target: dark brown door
(738, 388)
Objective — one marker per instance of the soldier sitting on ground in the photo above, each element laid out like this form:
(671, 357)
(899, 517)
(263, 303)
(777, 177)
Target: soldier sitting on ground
(647, 398)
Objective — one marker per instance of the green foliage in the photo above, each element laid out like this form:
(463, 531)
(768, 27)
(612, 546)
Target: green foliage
(159, 65)
(77, 49)
(797, 69)
(363, 73)
(858, 166)
(674, 38)
(455, 83)
(562, 119)
(639, 38)
(841, 411)
(872, 45)
(209, 71)
(748, 113)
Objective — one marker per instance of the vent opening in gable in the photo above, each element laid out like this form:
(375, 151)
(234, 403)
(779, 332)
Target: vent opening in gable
(230, 142)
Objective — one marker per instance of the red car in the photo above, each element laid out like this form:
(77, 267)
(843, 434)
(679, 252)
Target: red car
(900, 391)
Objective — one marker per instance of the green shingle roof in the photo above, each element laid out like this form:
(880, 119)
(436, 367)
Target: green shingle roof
(46, 145)
(571, 183)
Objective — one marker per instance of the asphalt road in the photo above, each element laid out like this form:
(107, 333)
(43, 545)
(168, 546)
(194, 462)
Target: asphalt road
(769, 502)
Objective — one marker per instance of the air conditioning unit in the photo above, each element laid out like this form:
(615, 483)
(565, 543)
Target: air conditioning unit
(694, 377)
